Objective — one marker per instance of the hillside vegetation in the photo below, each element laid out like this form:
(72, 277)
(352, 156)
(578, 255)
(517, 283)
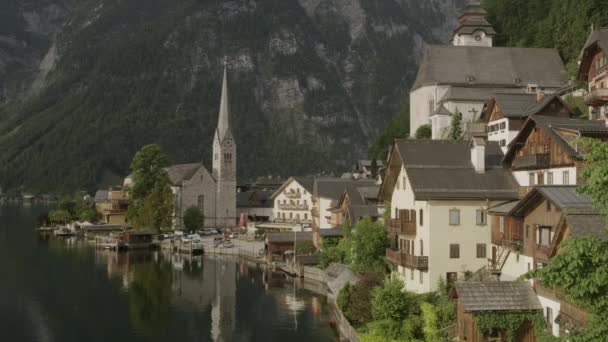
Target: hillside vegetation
(311, 83)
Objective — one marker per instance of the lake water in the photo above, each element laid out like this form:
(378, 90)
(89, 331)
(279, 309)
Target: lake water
(62, 290)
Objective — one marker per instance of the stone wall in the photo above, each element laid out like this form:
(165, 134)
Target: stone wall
(200, 184)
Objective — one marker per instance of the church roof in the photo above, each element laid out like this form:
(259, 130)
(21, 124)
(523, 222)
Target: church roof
(502, 67)
(181, 172)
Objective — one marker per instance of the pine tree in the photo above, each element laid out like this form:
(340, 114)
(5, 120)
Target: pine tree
(456, 127)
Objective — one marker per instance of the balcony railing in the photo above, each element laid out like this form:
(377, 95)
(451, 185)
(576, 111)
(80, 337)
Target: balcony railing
(417, 262)
(535, 161)
(597, 97)
(281, 220)
(395, 256)
(293, 195)
(399, 258)
(289, 206)
(401, 227)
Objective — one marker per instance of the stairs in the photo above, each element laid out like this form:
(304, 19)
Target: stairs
(495, 266)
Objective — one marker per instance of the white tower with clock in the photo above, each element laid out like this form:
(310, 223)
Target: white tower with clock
(224, 163)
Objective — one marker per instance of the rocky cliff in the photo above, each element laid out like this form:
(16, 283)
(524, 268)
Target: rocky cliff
(86, 83)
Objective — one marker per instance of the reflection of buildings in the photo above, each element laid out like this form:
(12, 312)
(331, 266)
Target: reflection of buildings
(119, 265)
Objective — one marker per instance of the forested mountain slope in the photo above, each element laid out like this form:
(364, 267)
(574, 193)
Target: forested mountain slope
(312, 82)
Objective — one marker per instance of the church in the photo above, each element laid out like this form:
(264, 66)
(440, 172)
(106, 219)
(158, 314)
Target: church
(214, 193)
(464, 76)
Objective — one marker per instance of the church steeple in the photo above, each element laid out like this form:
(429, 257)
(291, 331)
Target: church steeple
(223, 124)
(473, 28)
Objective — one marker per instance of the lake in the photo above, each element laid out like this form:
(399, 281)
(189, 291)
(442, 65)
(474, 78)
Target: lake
(54, 289)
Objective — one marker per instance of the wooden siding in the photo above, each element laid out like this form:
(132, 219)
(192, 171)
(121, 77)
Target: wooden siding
(538, 217)
(538, 143)
(512, 233)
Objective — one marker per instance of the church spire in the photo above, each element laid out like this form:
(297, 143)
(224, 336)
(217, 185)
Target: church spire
(223, 124)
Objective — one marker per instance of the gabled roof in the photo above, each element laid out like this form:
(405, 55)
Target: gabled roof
(519, 106)
(468, 94)
(587, 225)
(101, 196)
(333, 188)
(306, 182)
(441, 110)
(550, 125)
(564, 197)
(181, 172)
(502, 209)
(497, 296)
(442, 169)
(597, 38)
(473, 66)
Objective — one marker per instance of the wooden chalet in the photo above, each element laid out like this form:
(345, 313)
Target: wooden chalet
(280, 246)
(530, 232)
(543, 152)
(474, 298)
(593, 68)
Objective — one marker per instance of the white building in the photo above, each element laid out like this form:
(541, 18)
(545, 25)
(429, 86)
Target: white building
(462, 77)
(439, 193)
(293, 201)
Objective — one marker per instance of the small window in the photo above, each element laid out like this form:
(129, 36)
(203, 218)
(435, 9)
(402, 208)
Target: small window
(527, 231)
(544, 236)
(290, 215)
(306, 216)
(201, 203)
(540, 179)
(454, 251)
(403, 183)
(501, 223)
(421, 248)
(454, 217)
(548, 205)
(481, 250)
(531, 180)
(420, 217)
(481, 217)
(549, 178)
(566, 177)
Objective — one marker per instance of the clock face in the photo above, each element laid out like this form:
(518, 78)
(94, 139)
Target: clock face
(477, 37)
(228, 142)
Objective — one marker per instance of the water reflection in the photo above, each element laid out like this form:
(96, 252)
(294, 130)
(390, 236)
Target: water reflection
(54, 289)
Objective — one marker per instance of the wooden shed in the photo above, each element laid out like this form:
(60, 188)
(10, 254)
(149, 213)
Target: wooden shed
(473, 298)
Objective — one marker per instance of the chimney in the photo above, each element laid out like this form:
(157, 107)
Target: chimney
(478, 154)
(540, 95)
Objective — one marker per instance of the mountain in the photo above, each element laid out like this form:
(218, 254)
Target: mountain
(86, 83)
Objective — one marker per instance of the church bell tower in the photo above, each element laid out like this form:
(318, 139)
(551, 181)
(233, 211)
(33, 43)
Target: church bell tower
(473, 28)
(224, 163)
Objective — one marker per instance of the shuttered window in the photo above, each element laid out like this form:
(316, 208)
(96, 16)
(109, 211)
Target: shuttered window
(454, 251)
(420, 214)
(481, 218)
(481, 250)
(454, 217)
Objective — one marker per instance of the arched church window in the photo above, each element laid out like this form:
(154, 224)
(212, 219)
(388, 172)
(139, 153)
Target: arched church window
(201, 203)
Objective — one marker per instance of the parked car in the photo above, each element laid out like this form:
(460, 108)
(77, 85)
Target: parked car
(228, 244)
(229, 235)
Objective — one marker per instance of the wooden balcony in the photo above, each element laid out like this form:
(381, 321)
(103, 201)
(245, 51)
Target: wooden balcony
(571, 316)
(597, 97)
(401, 227)
(543, 252)
(532, 161)
(297, 207)
(395, 257)
(417, 262)
(292, 195)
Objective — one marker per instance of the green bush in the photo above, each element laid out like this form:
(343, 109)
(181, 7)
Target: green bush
(423, 132)
(391, 302)
(193, 219)
(344, 298)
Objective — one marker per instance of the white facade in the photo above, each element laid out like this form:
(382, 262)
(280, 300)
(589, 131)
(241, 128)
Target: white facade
(324, 204)
(553, 176)
(293, 204)
(423, 102)
(478, 38)
(499, 130)
(434, 235)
